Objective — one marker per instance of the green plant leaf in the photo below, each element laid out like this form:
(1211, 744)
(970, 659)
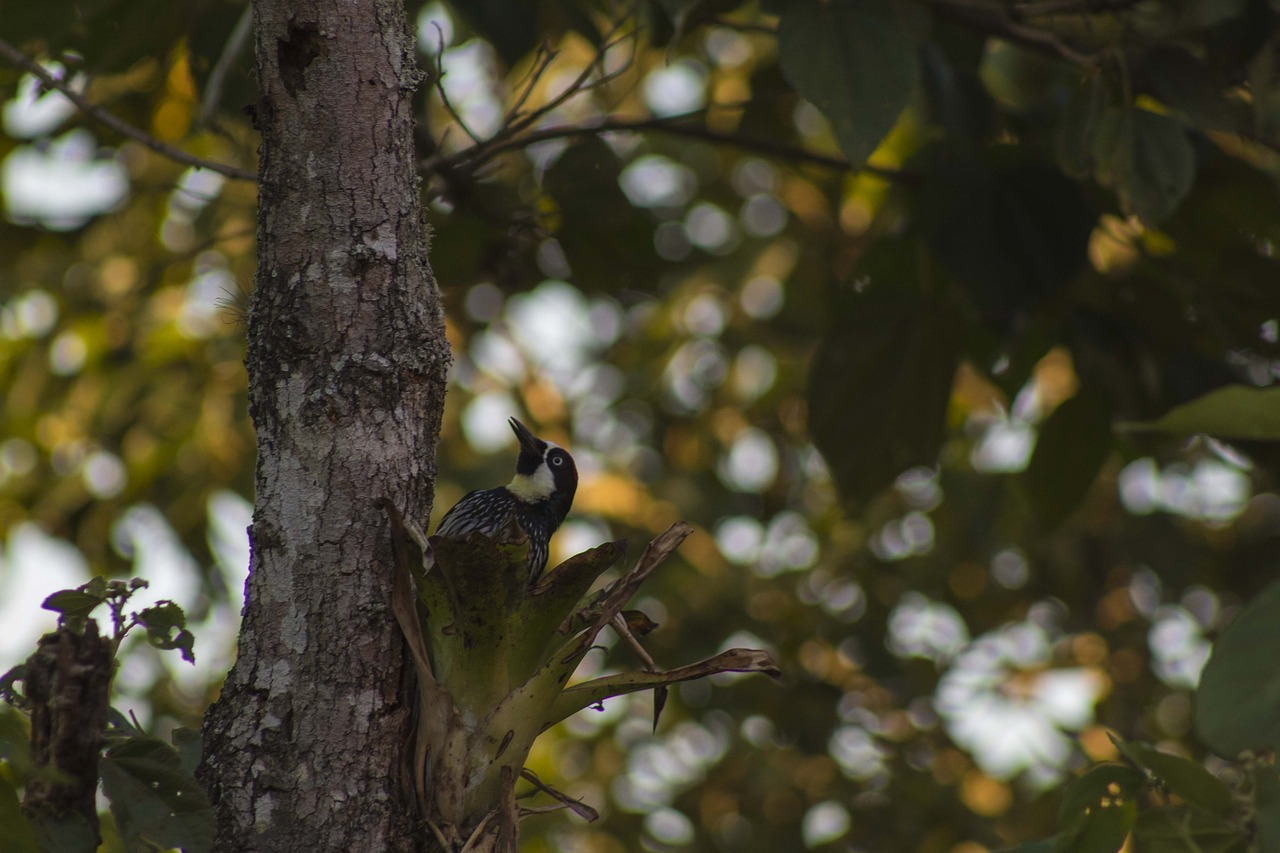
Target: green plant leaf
(1233, 413)
(69, 831)
(1182, 776)
(1172, 830)
(15, 740)
(1237, 705)
(188, 743)
(1147, 159)
(1102, 784)
(1267, 801)
(15, 829)
(855, 62)
(1098, 809)
(880, 380)
(75, 605)
(166, 624)
(153, 799)
(1074, 443)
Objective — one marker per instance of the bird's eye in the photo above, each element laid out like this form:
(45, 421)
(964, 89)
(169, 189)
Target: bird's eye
(557, 460)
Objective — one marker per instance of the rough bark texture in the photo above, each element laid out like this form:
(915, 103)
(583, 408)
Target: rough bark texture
(67, 681)
(347, 364)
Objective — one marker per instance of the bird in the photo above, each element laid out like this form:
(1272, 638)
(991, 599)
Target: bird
(536, 500)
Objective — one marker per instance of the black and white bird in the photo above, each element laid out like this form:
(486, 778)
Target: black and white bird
(536, 500)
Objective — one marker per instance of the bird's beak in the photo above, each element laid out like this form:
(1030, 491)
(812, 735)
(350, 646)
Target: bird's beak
(528, 441)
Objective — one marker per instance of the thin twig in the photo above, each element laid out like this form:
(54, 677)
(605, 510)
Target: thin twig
(226, 60)
(675, 125)
(439, 86)
(580, 84)
(994, 20)
(743, 26)
(16, 57)
(1037, 8)
(545, 56)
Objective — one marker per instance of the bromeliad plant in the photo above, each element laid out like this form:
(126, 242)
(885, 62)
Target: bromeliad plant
(494, 658)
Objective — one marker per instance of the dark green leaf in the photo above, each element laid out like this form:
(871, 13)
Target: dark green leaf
(1147, 159)
(1098, 809)
(68, 832)
(1188, 779)
(161, 622)
(153, 799)
(598, 225)
(1012, 233)
(188, 744)
(880, 381)
(511, 26)
(855, 62)
(1267, 800)
(1237, 706)
(1236, 412)
(15, 739)
(1073, 444)
(1172, 830)
(1102, 830)
(15, 829)
(75, 605)
(1099, 786)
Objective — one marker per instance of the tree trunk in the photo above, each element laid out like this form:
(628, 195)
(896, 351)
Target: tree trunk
(347, 361)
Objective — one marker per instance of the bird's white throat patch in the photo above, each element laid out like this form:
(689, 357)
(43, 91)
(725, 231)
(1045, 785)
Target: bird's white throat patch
(532, 487)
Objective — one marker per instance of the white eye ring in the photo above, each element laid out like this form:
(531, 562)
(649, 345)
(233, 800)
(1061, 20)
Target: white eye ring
(556, 460)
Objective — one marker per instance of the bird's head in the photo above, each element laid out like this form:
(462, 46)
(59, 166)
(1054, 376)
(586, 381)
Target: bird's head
(544, 471)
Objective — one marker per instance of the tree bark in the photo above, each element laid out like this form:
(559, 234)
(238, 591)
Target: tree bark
(347, 361)
(68, 680)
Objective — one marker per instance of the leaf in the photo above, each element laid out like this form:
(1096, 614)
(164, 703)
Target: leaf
(1074, 443)
(597, 223)
(1099, 809)
(1099, 785)
(1267, 801)
(75, 605)
(1147, 159)
(854, 61)
(15, 829)
(161, 621)
(1012, 232)
(66, 832)
(188, 743)
(15, 740)
(1184, 777)
(880, 380)
(1232, 413)
(153, 799)
(511, 26)
(1237, 705)
(1171, 830)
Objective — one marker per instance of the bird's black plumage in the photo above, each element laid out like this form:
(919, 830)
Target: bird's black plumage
(536, 500)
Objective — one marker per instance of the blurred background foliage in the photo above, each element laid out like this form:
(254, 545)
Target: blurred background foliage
(904, 304)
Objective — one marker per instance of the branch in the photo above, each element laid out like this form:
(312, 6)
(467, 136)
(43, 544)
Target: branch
(226, 61)
(16, 57)
(673, 125)
(994, 20)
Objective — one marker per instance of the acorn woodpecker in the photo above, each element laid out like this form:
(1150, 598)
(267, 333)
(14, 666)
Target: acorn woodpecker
(536, 500)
